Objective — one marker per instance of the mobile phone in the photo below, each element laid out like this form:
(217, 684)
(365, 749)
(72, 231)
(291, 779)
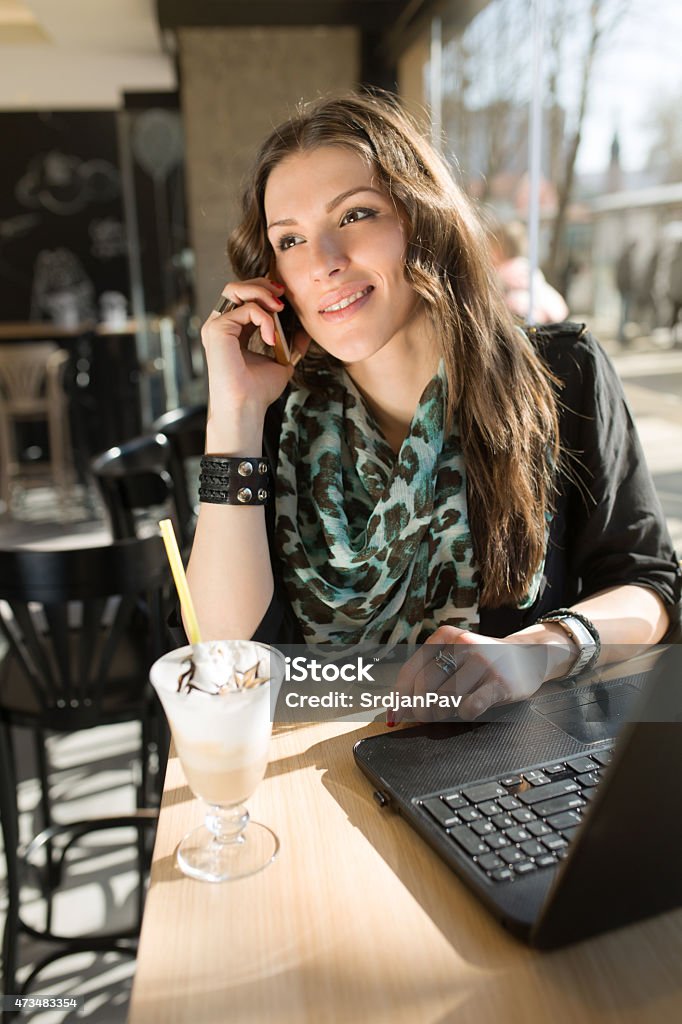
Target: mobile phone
(282, 350)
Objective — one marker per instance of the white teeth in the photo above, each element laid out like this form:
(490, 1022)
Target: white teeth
(347, 301)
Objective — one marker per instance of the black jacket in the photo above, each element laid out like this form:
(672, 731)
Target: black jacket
(607, 531)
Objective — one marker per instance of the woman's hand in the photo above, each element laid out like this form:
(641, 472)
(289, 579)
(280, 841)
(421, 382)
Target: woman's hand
(240, 379)
(489, 672)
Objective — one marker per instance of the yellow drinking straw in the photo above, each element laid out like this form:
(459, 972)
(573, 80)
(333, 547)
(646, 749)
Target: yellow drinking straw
(178, 571)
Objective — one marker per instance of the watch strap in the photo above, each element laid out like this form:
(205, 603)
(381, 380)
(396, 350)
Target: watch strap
(584, 635)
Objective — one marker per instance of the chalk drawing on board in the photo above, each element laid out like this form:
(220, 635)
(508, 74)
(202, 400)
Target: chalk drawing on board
(61, 289)
(64, 184)
(107, 238)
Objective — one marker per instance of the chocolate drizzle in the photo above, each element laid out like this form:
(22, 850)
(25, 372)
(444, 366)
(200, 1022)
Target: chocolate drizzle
(246, 680)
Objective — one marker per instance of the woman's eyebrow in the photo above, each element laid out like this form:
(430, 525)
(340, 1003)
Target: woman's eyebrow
(331, 204)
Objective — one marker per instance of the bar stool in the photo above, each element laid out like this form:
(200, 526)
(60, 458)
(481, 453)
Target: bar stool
(32, 389)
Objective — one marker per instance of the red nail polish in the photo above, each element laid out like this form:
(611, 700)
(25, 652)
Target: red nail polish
(277, 284)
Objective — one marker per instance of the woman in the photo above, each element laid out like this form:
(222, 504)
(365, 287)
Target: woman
(438, 477)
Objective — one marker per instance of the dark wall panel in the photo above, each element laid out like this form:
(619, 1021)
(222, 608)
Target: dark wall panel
(61, 215)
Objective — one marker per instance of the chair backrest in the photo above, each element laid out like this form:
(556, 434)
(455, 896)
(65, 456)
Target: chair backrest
(185, 428)
(139, 474)
(80, 620)
(26, 373)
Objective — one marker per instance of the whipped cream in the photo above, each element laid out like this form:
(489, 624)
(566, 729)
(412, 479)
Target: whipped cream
(217, 668)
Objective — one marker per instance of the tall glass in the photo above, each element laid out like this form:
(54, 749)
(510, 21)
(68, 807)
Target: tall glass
(222, 739)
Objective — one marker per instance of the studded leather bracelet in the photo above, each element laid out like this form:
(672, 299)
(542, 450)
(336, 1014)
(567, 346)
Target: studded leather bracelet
(234, 481)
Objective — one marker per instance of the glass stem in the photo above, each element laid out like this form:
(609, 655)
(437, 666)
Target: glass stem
(227, 823)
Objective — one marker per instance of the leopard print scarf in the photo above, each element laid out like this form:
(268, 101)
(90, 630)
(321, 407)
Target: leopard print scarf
(373, 547)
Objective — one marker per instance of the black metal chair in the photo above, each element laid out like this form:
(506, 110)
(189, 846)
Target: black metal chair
(140, 474)
(83, 627)
(185, 428)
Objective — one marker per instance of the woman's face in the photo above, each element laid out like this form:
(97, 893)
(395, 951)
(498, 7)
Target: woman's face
(339, 245)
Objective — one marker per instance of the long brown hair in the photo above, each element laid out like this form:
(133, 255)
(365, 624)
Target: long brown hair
(498, 387)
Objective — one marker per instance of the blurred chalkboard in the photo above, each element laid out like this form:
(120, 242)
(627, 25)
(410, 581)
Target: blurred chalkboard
(62, 236)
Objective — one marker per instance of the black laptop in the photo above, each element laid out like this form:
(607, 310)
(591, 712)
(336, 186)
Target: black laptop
(565, 815)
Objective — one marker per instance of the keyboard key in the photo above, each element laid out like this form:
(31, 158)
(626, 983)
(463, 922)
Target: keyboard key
(538, 828)
(554, 769)
(489, 862)
(532, 774)
(538, 778)
(435, 806)
(560, 803)
(511, 780)
(482, 828)
(533, 796)
(554, 842)
(455, 801)
(523, 815)
(588, 779)
(486, 791)
(581, 764)
(511, 855)
(568, 833)
(532, 848)
(603, 756)
(524, 867)
(563, 853)
(589, 794)
(508, 803)
(468, 840)
(564, 820)
(496, 840)
(503, 821)
(489, 807)
(517, 834)
(545, 861)
(502, 875)
(469, 814)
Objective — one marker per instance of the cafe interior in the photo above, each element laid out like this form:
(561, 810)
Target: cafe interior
(127, 130)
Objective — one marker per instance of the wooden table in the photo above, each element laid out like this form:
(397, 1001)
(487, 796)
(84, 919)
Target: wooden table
(359, 921)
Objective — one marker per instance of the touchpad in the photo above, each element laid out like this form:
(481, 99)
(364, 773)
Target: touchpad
(596, 713)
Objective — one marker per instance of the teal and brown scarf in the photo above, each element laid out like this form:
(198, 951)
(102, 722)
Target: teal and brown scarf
(374, 547)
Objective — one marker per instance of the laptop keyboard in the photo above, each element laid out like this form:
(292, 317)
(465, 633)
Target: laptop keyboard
(522, 821)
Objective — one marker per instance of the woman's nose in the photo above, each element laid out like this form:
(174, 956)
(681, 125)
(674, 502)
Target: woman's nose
(327, 257)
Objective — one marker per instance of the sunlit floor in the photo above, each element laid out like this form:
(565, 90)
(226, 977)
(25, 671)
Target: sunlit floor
(92, 773)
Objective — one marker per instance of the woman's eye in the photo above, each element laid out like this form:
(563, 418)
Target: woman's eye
(359, 213)
(287, 242)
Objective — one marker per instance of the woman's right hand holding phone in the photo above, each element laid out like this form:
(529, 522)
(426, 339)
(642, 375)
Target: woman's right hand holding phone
(242, 384)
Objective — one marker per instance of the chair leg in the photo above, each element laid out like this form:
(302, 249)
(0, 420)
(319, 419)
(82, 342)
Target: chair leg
(10, 834)
(5, 461)
(52, 866)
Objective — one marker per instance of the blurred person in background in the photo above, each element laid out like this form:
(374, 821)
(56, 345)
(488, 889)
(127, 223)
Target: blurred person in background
(675, 293)
(626, 285)
(508, 249)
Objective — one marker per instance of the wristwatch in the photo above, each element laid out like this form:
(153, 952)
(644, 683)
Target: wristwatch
(588, 649)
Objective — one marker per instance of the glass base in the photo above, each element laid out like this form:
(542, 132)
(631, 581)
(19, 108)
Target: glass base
(201, 856)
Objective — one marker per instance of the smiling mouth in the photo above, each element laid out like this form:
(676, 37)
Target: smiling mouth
(348, 301)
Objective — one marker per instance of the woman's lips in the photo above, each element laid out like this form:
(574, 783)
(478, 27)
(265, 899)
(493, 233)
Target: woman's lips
(337, 315)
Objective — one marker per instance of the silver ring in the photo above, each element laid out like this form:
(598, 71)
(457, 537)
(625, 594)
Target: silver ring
(224, 305)
(447, 662)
